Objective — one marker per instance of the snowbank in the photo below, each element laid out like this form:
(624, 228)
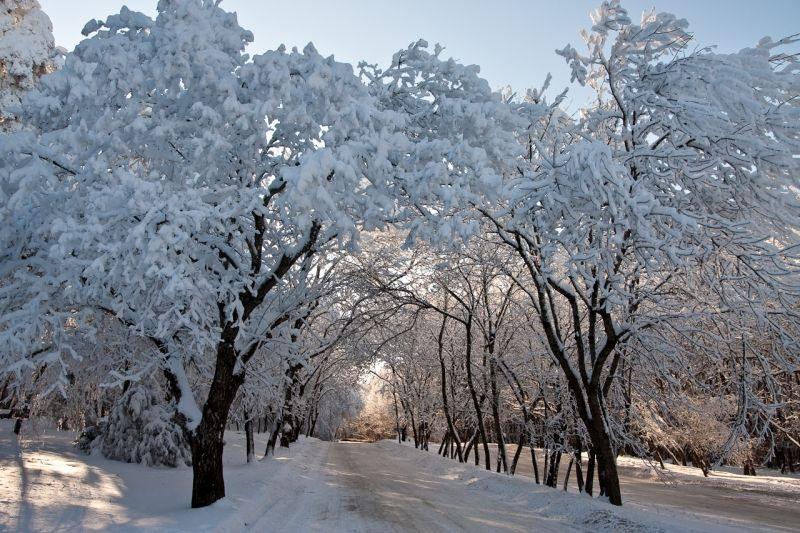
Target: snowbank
(46, 485)
(720, 476)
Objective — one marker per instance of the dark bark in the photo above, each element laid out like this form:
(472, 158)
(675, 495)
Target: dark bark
(501, 446)
(443, 444)
(208, 484)
(607, 475)
(417, 439)
(569, 470)
(445, 404)
(534, 463)
(551, 480)
(517, 452)
(578, 470)
(288, 422)
(473, 394)
(470, 444)
(250, 442)
(590, 473)
(273, 437)
(400, 437)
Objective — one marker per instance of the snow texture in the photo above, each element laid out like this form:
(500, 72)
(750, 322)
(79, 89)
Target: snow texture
(314, 486)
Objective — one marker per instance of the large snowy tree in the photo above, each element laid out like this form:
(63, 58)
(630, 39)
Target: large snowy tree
(686, 157)
(178, 185)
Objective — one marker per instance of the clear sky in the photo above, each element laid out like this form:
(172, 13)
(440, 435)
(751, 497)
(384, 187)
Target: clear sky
(512, 40)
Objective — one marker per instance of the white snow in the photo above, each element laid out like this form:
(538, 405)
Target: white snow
(47, 485)
(52, 486)
(720, 476)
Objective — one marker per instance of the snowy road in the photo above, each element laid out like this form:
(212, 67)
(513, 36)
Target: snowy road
(386, 487)
(378, 491)
(46, 485)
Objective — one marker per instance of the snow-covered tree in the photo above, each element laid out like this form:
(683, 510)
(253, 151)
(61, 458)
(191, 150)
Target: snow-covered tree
(686, 157)
(141, 428)
(170, 186)
(27, 51)
(179, 186)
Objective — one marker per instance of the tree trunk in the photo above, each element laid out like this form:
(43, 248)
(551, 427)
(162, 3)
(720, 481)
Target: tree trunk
(552, 470)
(606, 458)
(208, 484)
(590, 472)
(443, 444)
(501, 446)
(445, 404)
(517, 452)
(414, 428)
(569, 470)
(473, 394)
(534, 463)
(273, 437)
(468, 448)
(607, 474)
(313, 423)
(578, 470)
(251, 445)
(397, 417)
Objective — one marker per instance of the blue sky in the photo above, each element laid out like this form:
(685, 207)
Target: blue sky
(512, 41)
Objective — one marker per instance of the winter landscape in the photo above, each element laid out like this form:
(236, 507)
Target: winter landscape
(263, 288)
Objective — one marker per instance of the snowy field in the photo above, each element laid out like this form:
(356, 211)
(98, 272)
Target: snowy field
(317, 486)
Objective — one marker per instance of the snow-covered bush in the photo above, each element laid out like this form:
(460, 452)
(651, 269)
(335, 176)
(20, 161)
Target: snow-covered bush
(140, 429)
(88, 438)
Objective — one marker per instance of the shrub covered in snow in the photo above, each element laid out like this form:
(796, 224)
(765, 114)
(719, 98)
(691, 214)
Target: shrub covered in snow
(140, 429)
(88, 438)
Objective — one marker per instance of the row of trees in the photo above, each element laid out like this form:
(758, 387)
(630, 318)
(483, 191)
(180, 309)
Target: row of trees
(466, 311)
(209, 207)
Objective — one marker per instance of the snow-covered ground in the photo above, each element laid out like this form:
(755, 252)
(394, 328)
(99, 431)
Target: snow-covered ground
(767, 501)
(721, 476)
(47, 485)
(316, 486)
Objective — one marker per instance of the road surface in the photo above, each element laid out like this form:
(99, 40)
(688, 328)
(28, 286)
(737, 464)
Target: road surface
(378, 491)
(367, 487)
